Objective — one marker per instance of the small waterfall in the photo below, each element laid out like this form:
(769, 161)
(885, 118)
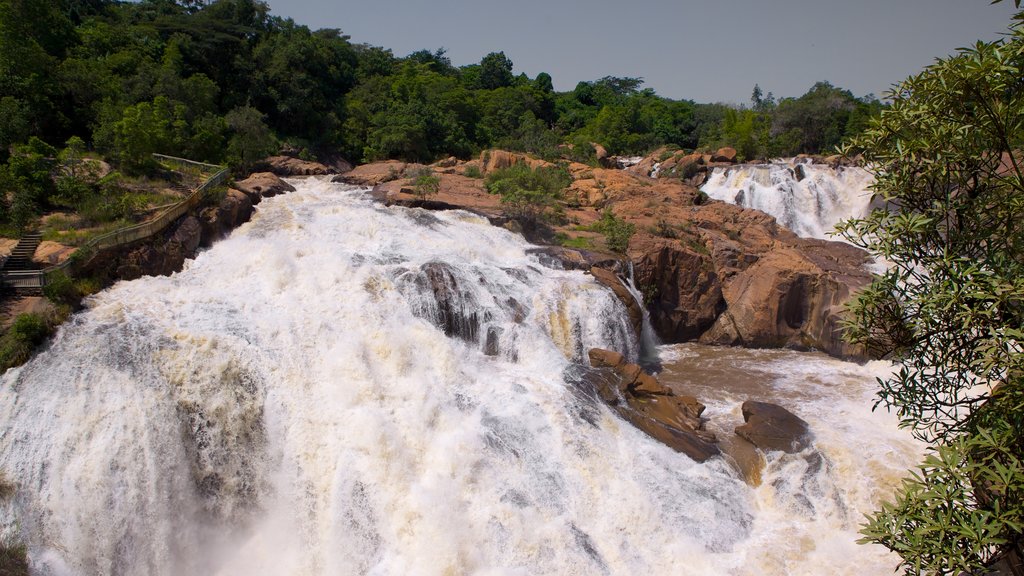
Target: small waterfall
(809, 199)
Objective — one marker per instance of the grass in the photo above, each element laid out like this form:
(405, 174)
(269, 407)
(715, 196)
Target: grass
(577, 242)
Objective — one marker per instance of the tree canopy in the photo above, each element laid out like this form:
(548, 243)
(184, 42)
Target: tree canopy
(948, 161)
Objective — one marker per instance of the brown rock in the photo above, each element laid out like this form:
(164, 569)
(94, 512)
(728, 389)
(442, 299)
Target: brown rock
(288, 166)
(49, 253)
(724, 155)
(648, 385)
(601, 358)
(772, 427)
(263, 185)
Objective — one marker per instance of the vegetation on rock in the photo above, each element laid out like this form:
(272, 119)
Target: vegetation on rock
(950, 309)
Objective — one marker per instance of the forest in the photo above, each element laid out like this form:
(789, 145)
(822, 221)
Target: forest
(228, 82)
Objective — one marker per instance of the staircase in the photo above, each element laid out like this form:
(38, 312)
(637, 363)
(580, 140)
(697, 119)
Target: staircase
(21, 256)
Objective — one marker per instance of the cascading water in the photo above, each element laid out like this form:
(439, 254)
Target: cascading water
(344, 388)
(809, 199)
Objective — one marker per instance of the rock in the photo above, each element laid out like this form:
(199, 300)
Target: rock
(49, 253)
(651, 407)
(601, 358)
(772, 427)
(454, 309)
(448, 162)
(792, 296)
(611, 280)
(491, 160)
(687, 290)
(724, 155)
(799, 172)
(187, 234)
(288, 166)
(234, 210)
(263, 185)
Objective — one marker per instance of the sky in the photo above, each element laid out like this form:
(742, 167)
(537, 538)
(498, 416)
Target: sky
(707, 51)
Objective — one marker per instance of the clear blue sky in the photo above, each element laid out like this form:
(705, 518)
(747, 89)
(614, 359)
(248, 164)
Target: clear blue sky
(706, 51)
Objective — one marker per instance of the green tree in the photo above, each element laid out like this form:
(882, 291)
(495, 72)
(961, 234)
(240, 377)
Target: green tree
(950, 310)
(495, 71)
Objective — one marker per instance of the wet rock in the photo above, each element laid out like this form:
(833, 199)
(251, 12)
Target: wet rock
(263, 185)
(637, 396)
(601, 358)
(772, 427)
(454, 309)
(611, 280)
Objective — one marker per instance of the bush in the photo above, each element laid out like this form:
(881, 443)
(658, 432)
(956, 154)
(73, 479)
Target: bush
(948, 310)
(16, 345)
(528, 193)
(426, 184)
(473, 171)
(617, 231)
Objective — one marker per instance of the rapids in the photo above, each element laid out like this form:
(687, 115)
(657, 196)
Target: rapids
(344, 388)
(809, 199)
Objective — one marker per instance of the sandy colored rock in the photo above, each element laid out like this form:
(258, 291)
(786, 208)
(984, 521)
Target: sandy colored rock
(50, 253)
(263, 185)
(289, 166)
(724, 155)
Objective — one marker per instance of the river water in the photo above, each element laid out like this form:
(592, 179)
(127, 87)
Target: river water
(344, 388)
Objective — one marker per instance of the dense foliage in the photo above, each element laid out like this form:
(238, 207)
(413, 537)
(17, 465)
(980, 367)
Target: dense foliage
(950, 309)
(227, 82)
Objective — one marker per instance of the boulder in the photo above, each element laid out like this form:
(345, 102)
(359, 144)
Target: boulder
(641, 400)
(724, 155)
(792, 296)
(234, 210)
(601, 358)
(263, 185)
(772, 427)
(289, 166)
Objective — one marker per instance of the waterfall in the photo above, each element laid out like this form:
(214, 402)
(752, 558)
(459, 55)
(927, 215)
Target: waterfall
(809, 199)
(345, 388)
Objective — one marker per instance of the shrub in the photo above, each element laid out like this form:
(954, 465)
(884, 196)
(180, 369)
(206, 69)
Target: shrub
(528, 193)
(16, 345)
(473, 171)
(617, 231)
(426, 184)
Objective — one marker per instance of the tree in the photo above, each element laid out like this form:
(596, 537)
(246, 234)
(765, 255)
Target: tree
(495, 71)
(948, 160)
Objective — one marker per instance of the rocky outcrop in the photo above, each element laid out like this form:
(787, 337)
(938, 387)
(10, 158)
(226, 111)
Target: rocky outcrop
(792, 296)
(233, 210)
(379, 173)
(675, 420)
(289, 166)
(772, 427)
(262, 185)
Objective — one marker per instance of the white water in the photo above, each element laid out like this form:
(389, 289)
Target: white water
(288, 404)
(810, 207)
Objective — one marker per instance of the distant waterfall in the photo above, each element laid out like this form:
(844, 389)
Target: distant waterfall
(809, 199)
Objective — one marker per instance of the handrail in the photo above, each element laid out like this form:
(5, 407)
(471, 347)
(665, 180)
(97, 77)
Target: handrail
(135, 232)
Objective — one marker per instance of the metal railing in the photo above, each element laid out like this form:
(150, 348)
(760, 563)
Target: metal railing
(36, 279)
